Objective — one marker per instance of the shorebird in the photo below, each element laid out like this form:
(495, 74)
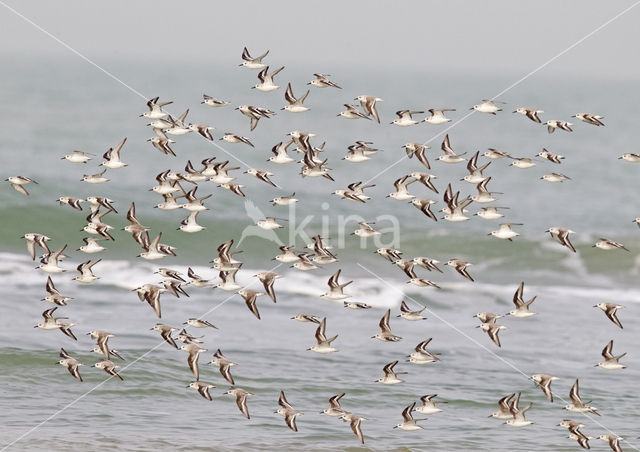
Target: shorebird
(429, 405)
(295, 104)
(389, 254)
(112, 156)
(152, 249)
(224, 365)
(202, 130)
(522, 307)
(408, 314)
(613, 440)
(112, 351)
(449, 154)
(254, 114)
(390, 377)
(49, 262)
(306, 318)
(629, 157)
(187, 338)
(86, 273)
(419, 151)
(555, 177)
(461, 267)
(241, 400)
(610, 310)
(109, 367)
(97, 201)
(321, 81)
(91, 245)
(304, 263)
(228, 278)
(356, 305)
(194, 352)
(574, 429)
(561, 235)
(366, 230)
(190, 224)
(288, 412)
(522, 163)
(475, 172)
(33, 239)
(250, 298)
(202, 388)
(409, 423)
(77, 157)
(174, 287)
(267, 279)
(54, 323)
(422, 282)
(488, 317)
(577, 405)
(165, 331)
(54, 295)
(421, 355)
(487, 106)
(355, 422)
(71, 364)
(280, 153)
(71, 202)
(135, 228)
(505, 409)
(270, 223)
(252, 63)
(334, 410)
(357, 189)
(606, 244)
(335, 288)
(427, 263)
(610, 362)
(284, 200)
(543, 381)
(438, 116)
(196, 280)
(492, 329)
(213, 102)
(550, 156)
(368, 104)
(490, 213)
(495, 154)
(425, 179)
(324, 345)
(233, 138)
(101, 338)
(505, 232)
(155, 109)
(405, 118)
(288, 255)
(589, 118)
(484, 195)
(385, 334)
(530, 113)
(519, 419)
(423, 204)
(17, 183)
(161, 142)
(199, 323)
(402, 190)
(97, 178)
(554, 124)
(151, 294)
(352, 112)
(357, 154)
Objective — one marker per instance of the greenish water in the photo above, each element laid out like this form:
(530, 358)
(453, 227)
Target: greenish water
(77, 109)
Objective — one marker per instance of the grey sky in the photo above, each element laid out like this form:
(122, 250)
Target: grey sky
(486, 37)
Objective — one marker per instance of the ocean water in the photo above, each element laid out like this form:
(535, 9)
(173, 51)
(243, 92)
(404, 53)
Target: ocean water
(77, 107)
